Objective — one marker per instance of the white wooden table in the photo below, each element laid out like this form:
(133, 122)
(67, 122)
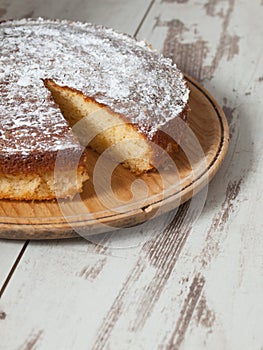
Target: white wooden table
(182, 286)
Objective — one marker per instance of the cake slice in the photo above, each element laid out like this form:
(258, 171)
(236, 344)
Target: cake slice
(100, 128)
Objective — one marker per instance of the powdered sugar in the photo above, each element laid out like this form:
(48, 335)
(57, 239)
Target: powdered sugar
(113, 68)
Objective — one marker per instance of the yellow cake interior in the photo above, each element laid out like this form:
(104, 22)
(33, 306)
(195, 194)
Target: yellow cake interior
(99, 128)
(43, 185)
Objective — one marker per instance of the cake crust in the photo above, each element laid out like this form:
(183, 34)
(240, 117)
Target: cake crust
(110, 69)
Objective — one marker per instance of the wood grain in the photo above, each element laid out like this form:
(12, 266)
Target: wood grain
(173, 283)
(192, 169)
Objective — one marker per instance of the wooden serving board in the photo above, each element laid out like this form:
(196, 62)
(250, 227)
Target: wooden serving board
(157, 192)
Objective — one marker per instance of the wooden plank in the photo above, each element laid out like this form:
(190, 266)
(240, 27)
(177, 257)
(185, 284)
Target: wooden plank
(194, 285)
(90, 278)
(124, 16)
(9, 252)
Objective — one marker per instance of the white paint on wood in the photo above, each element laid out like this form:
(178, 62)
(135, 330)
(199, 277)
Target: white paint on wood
(9, 252)
(124, 16)
(189, 287)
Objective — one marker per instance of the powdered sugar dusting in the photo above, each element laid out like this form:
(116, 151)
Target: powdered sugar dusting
(113, 68)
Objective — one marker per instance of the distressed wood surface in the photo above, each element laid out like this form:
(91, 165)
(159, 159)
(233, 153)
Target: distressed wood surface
(186, 280)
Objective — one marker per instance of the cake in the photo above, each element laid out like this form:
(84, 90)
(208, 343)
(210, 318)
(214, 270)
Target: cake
(67, 85)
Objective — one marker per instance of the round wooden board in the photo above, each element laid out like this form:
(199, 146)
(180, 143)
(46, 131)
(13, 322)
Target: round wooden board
(101, 210)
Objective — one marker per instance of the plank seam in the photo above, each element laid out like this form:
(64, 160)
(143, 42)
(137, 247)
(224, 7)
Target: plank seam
(144, 18)
(13, 268)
